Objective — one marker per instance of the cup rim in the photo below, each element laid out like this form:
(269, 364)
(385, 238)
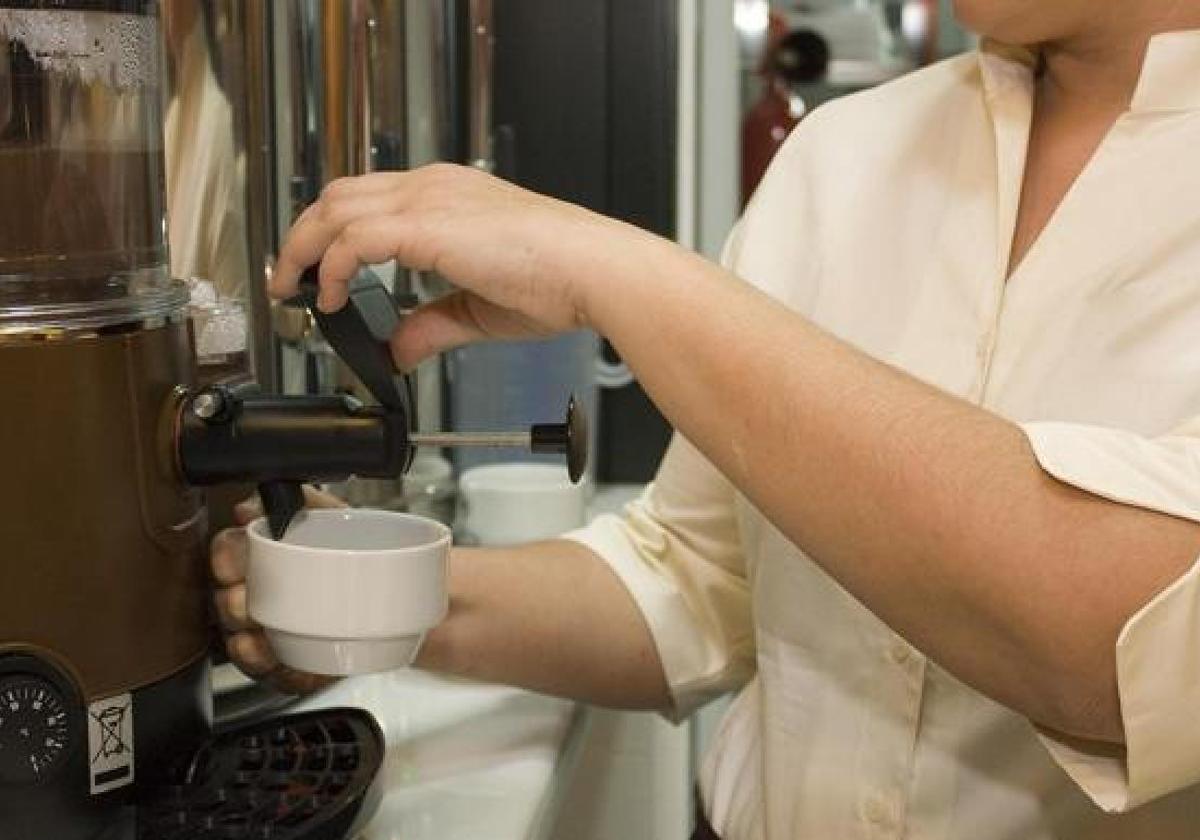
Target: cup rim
(258, 531)
(493, 477)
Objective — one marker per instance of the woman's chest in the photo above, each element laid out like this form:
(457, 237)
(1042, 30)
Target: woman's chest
(1097, 324)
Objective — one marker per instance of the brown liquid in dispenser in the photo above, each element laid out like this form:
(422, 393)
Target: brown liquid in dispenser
(103, 587)
(82, 148)
(96, 213)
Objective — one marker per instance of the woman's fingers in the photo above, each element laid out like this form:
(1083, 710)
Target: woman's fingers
(231, 609)
(252, 654)
(341, 204)
(518, 256)
(247, 510)
(228, 557)
(435, 327)
(366, 240)
(245, 643)
(455, 319)
(298, 682)
(315, 498)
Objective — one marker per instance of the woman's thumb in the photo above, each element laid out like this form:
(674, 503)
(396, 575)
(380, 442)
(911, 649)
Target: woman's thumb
(434, 328)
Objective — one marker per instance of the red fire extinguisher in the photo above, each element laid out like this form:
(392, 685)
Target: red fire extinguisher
(799, 57)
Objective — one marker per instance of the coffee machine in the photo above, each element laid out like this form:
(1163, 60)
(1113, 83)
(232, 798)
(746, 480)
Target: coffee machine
(103, 628)
(104, 624)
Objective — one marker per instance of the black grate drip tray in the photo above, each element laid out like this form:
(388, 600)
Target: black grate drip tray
(307, 776)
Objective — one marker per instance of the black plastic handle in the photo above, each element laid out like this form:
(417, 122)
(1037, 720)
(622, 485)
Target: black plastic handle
(359, 333)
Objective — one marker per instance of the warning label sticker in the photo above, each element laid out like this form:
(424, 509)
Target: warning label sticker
(110, 743)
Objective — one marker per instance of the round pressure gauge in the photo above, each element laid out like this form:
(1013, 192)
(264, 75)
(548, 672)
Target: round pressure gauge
(35, 731)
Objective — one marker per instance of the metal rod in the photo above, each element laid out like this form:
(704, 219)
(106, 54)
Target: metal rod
(481, 94)
(519, 440)
(257, 125)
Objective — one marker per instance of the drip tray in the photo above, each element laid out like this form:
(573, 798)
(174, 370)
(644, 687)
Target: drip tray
(307, 776)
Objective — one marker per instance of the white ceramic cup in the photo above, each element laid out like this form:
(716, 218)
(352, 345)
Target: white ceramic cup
(506, 504)
(348, 591)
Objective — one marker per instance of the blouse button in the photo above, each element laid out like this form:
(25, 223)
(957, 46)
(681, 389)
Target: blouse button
(877, 812)
(984, 348)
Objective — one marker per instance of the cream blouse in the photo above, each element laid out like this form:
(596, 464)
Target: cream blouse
(887, 219)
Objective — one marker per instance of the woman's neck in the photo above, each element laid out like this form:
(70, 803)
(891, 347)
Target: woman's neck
(1098, 68)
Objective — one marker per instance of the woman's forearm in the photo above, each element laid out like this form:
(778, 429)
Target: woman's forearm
(930, 510)
(551, 617)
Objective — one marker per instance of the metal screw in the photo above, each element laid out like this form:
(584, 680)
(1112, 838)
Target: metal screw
(207, 405)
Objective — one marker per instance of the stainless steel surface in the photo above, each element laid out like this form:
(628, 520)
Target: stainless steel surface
(352, 105)
(220, 129)
(437, 26)
(388, 61)
(262, 236)
(514, 440)
(299, 110)
(345, 113)
(481, 87)
(345, 82)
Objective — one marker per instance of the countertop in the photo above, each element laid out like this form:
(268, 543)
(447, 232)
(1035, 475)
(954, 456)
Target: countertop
(467, 761)
(464, 761)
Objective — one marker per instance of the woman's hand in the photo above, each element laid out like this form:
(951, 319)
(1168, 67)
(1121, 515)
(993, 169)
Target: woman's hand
(244, 640)
(525, 265)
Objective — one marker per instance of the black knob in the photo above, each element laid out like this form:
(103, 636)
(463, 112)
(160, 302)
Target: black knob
(569, 438)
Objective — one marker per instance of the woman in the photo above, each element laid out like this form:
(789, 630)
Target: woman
(938, 475)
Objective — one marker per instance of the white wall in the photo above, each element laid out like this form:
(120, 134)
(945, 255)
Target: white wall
(719, 115)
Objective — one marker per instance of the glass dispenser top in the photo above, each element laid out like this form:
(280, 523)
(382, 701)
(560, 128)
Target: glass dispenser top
(82, 222)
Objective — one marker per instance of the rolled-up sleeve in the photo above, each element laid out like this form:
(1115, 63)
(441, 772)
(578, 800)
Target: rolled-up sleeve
(678, 551)
(1158, 650)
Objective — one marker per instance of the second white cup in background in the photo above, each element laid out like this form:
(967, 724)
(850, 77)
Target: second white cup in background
(512, 503)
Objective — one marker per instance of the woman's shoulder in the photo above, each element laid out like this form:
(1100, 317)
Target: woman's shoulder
(911, 99)
(877, 133)
(822, 191)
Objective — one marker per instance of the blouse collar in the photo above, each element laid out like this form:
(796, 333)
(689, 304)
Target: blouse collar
(1169, 80)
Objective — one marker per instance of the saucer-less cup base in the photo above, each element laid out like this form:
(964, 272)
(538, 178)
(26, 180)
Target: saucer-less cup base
(342, 657)
(348, 591)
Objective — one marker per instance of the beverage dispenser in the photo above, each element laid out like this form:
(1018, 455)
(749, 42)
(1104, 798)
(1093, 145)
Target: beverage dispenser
(103, 628)
(106, 438)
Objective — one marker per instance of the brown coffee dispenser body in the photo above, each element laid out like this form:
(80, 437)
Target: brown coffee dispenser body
(103, 593)
(104, 580)
(103, 625)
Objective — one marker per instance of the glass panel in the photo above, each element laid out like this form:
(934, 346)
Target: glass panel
(82, 235)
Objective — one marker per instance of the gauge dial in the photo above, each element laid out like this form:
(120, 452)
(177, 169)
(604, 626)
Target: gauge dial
(34, 729)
